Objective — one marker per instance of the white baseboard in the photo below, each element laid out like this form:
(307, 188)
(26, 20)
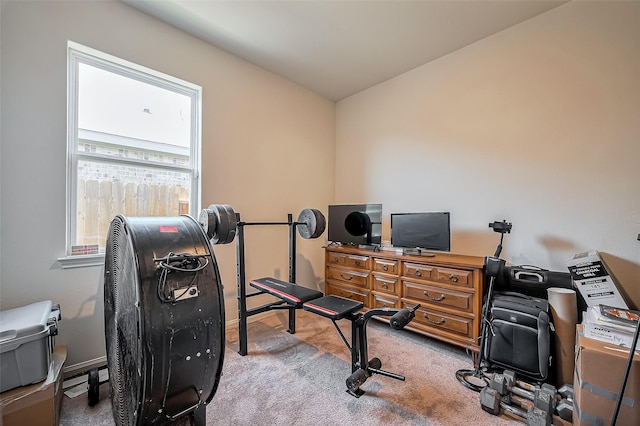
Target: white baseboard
(252, 318)
(82, 367)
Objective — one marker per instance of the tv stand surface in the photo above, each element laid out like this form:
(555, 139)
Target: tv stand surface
(369, 247)
(448, 286)
(418, 252)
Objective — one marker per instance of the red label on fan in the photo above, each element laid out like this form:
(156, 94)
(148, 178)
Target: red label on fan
(167, 228)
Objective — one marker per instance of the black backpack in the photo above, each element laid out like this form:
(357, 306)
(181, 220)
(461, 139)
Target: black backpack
(519, 335)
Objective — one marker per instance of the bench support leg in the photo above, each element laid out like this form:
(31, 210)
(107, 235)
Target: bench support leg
(292, 321)
(361, 367)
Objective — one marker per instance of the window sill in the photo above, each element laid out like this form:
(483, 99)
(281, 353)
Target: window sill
(81, 261)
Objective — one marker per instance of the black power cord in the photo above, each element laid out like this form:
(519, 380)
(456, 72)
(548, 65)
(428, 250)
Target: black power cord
(178, 262)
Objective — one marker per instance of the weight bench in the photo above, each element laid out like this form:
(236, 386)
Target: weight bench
(293, 296)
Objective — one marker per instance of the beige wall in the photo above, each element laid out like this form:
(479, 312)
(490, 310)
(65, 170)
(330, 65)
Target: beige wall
(537, 124)
(268, 150)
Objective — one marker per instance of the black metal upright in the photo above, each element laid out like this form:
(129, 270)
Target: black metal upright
(292, 248)
(356, 343)
(292, 268)
(242, 289)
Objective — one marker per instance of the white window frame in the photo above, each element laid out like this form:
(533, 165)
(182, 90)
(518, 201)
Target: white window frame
(76, 54)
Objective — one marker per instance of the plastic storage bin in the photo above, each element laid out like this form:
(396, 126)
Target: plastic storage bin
(26, 343)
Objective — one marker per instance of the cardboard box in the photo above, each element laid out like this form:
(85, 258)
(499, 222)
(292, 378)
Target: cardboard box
(39, 404)
(594, 281)
(596, 326)
(599, 371)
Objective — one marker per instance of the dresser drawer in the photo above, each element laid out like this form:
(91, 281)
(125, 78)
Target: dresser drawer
(356, 294)
(417, 270)
(350, 277)
(385, 284)
(349, 260)
(432, 318)
(385, 265)
(450, 276)
(453, 276)
(384, 301)
(438, 296)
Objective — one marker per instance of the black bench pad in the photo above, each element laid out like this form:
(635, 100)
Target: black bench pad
(293, 294)
(333, 307)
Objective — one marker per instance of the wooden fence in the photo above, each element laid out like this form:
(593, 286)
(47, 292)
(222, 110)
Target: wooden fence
(100, 201)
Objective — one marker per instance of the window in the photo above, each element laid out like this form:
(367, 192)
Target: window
(133, 145)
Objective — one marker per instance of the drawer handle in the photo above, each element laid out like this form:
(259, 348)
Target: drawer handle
(386, 287)
(442, 320)
(347, 295)
(435, 299)
(418, 273)
(357, 263)
(335, 259)
(385, 268)
(453, 278)
(346, 278)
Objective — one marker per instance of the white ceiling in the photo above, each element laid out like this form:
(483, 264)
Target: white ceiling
(338, 48)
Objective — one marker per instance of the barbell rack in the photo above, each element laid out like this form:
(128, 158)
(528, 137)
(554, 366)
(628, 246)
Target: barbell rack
(243, 312)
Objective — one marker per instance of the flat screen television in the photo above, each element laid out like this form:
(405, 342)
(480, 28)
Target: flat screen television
(356, 225)
(415, 232)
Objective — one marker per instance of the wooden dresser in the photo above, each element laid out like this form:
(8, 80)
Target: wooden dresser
(448, 286)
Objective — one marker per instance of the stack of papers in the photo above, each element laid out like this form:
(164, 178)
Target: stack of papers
(611, 325)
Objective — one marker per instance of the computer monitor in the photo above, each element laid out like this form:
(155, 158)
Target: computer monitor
(415, 232)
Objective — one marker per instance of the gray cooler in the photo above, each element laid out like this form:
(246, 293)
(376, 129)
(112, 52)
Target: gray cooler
(26, 343)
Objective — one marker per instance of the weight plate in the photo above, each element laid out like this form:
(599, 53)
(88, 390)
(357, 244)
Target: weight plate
(311, 223)
(208, 221)
(226, 224)
(357, 223)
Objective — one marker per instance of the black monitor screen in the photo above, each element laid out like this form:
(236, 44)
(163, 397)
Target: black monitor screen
(355, 224)
(429, 230)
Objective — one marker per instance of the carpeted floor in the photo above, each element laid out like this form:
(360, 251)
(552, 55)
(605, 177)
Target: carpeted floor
(299, 379)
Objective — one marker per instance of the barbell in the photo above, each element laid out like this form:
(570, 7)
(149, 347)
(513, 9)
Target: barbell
(220, 223)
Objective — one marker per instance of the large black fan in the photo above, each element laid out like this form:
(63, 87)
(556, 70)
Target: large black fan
(164, 320)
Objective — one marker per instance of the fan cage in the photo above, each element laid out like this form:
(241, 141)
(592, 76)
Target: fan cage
(124, 358)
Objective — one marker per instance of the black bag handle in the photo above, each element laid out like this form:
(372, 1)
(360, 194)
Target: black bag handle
(529, 273)
(528, 276)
